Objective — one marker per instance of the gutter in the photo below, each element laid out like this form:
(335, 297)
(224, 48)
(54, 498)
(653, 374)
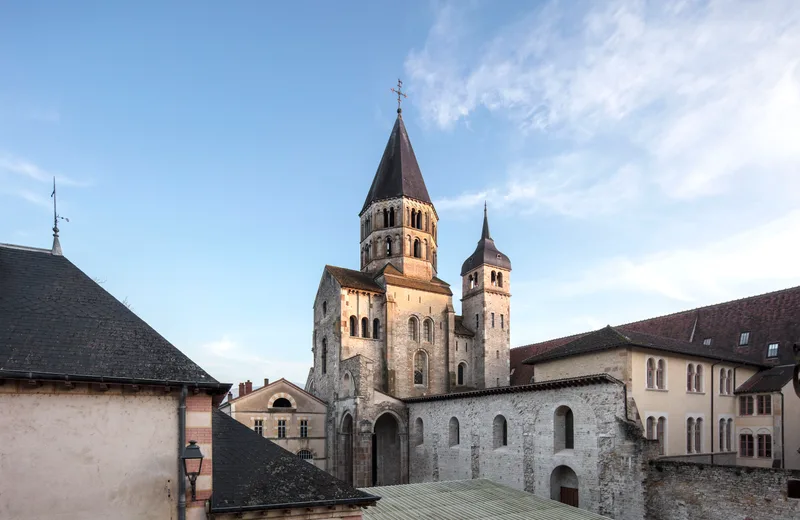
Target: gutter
(181, 444)
(362, 501)
(220, 388)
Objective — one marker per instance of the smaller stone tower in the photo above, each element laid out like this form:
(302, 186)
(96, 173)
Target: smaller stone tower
(486, 309)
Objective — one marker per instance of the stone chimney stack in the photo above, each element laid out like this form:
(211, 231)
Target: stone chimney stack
(230, 396)
(266, 381)
(248, 387)
(241, 389)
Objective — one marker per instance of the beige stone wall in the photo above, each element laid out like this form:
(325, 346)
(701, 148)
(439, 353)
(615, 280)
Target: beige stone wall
(464, 352)
(258, 406)
(760, 424)
(83, 453)
(791, 426)
(612, 362)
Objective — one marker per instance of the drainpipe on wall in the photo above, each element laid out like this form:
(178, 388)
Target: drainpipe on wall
(783, 446)
(712, 410)
(181, 444)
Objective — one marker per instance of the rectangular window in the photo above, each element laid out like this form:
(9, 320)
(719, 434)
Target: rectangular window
(745, 445)
(764, 405)
(707, 341)
(281, 428)
(259, 427)
(502, 322)
(456, 346)
(772, 350)
(744, 338)
(303, 428)
(765, 445)
(746, 405)
(477, 322)
(492, 320)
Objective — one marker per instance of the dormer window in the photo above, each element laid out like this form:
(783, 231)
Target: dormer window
(772, 350)
(744, 339)
(707, 342)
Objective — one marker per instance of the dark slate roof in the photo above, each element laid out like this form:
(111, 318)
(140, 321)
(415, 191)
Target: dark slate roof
(460, 329)
(609, 337)
(433, 286)
(398, 173)
(253, 473)
(486, 252)
(769, 318)
(595, 379)
(354, 279)
(772, 380)
(55, 321)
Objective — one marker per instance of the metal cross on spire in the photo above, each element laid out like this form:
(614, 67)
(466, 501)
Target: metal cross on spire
(400, 95)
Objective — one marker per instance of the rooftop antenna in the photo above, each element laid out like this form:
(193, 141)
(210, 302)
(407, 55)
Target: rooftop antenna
(56, 244)
(400, 95)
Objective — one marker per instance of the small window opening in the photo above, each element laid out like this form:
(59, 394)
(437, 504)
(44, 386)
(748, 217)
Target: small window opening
(259, 427)
(744, 338)
(772, 350)
(455, 437)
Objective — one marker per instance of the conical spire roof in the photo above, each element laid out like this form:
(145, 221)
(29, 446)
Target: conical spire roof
(486, 252)
(398, 173)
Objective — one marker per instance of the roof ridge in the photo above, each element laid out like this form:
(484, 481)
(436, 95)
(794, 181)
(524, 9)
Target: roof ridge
(26, 248)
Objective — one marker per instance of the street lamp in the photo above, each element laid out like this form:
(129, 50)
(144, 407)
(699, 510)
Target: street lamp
(192, 453)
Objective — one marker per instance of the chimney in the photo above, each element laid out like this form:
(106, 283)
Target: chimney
(248, 387)
(230, 396)
(266, 381)
(241, 389)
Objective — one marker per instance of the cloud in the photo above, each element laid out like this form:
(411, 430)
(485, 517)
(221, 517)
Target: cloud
(702, 97)
(16, 165)
(721, 270)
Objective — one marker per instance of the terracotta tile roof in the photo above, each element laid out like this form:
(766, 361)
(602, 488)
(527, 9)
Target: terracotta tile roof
(354, 279)
(252, 473)
(769, 318)
(772, 380)
(57, 322)
(421, 285)
(609, 337)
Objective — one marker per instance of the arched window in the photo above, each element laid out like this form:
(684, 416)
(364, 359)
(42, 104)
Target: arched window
(282, 402)
(564, 431)
(722, 385)
(421, 368)
(385, 217)
(698, 378)
(376, 329)
(689, 434)
(391, 217)
(455, 439)
(417, 252)
(353, 326)
(462, 367)
(690, 378)
(306, 455)
(651, 374)
(651, 428)
(427, 250)
(729, 434)
(419, 220)
(494, 279)
(722, 435)
(499, 279)
(660, 375)
(413, 218)
(500, 431)
(698, 435)
(419, 434)
(388, 246)
(364, 327)
(324, 355)
(346, 382)
(324, 308)
(660, 429)
(728, 382)
(471, 282)
(413, 329)
(433, 231)
(427, 331)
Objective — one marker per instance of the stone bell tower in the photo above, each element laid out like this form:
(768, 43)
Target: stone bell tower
(486, 309)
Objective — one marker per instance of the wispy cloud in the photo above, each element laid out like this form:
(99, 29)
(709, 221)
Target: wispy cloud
(704, 96)
(19, 166)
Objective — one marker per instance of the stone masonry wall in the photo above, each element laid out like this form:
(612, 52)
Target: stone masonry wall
(690, 491)
(608, 458)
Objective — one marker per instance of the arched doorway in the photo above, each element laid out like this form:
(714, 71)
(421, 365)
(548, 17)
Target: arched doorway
(564, 485)
(386, 451)
(346, 450)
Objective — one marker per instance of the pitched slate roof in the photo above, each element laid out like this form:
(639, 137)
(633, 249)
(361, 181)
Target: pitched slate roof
(772, 380)
(56, 321)
(485, 252)
(460, 329)
(609, 337)
(253, 473)
(434, 286)
(398, 173)
(769, 318)
(354, 279)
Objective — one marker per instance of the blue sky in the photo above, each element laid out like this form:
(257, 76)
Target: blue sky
(638, 158)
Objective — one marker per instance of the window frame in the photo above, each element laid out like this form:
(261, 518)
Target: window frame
(763, 404)
(764, 445)
(746, 441)
(770, 349)
(281, 428)
(258, 426)
(303, 428)
(749, 406)
(744, 338)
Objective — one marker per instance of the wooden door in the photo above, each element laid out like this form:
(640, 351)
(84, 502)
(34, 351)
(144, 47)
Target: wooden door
(569, 496)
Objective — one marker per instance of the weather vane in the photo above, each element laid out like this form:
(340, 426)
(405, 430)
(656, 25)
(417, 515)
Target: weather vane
(400, 95)
(56, 217)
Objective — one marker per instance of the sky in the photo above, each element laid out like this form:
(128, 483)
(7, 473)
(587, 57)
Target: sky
(637, 158)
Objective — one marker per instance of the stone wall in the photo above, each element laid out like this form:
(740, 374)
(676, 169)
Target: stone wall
(689, 491)
(608, 458)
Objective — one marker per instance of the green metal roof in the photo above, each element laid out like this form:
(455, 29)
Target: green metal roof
(478, 499)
